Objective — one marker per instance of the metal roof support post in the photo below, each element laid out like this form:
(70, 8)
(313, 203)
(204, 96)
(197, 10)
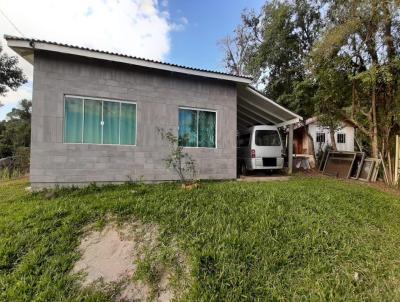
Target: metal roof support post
(290, 149)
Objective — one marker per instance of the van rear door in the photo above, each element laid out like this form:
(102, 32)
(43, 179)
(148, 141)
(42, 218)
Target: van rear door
(267, 144)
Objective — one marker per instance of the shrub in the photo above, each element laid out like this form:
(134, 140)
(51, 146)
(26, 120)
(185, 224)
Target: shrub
(177, 160)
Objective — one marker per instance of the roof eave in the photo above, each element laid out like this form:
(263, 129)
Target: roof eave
(22, 48)
(256, 92)
(25, 48)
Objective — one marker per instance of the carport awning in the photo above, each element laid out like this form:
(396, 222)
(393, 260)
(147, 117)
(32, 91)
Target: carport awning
(253, 108)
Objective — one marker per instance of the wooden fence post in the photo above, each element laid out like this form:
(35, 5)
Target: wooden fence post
(396, 161)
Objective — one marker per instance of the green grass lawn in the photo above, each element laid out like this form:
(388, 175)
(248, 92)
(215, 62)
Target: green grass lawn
(304, 240)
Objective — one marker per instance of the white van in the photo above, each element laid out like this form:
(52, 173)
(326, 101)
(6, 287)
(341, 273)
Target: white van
(259, 148)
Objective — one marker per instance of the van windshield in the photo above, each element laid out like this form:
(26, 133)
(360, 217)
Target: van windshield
(267, 138)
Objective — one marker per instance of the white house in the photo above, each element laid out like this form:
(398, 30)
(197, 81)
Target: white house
(344, 137)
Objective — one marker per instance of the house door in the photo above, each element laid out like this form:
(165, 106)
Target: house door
(298, 142)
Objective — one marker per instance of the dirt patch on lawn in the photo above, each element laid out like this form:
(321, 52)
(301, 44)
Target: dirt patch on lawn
(128, 260)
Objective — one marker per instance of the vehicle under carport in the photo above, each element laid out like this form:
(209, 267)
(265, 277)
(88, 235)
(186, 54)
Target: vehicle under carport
(254, 108)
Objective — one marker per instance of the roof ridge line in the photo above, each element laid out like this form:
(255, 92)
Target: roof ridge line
(12, 37)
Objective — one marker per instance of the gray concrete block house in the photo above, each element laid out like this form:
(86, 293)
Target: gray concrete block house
(95, 115)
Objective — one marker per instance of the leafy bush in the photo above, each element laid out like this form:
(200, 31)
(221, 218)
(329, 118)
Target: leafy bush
(22, 159)
(5, 150)
(17, 165)
(177, 160)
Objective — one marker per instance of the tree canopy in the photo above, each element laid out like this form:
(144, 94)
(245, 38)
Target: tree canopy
(15, 132)
(11, 76)
(338, 60)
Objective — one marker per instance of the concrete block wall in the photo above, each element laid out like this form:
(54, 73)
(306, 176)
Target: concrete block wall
(157, 95)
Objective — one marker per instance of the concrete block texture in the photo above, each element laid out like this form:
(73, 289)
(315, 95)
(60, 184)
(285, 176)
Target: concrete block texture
(158, 96)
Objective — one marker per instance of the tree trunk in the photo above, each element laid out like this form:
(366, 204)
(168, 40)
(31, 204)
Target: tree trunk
(390, 169)
(312, 151)
(374, 126)
(374, 144)
(353, 99)
(387, 154)
(332, 135)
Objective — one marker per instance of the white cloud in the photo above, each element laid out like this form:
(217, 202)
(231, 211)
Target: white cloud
(180, 25)
(184, 21)
(13, 97)
(136, 27)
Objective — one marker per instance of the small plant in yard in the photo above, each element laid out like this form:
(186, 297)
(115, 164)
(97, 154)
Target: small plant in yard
(179, 161)
(15, 166)
(7, 174)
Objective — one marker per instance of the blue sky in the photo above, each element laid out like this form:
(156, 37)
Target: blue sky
(209, 21)
(178, 31)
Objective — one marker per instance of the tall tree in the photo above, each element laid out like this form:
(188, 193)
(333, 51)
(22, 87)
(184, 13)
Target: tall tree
(332, 94)
(365, 35)
(289, 30)
(16, 130)
(333, 58)
(243, 45)
(23, 112)
(282, 36)
(11, 76)
(273, 47)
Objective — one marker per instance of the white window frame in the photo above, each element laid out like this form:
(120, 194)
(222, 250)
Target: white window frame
(102, 121)
(318, 134)
(216, 126)
(337, 137)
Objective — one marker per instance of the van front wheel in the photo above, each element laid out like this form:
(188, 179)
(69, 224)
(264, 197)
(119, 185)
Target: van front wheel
(243, 169)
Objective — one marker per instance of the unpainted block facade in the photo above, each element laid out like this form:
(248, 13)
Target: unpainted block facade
(158, 96)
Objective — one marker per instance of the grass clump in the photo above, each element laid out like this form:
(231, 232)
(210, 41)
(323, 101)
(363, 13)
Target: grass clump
(164, 268)
(303, 239)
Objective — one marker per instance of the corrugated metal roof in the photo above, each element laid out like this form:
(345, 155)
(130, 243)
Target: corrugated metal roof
(254, 108)
(10, 37)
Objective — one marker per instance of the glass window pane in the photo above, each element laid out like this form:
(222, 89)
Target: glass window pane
(320, 137)
(111, 122)
(267, 138)
(73, 120)
(187, 128)
(341, 138)
(128, 124)
(92, 122)
(207, 129)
